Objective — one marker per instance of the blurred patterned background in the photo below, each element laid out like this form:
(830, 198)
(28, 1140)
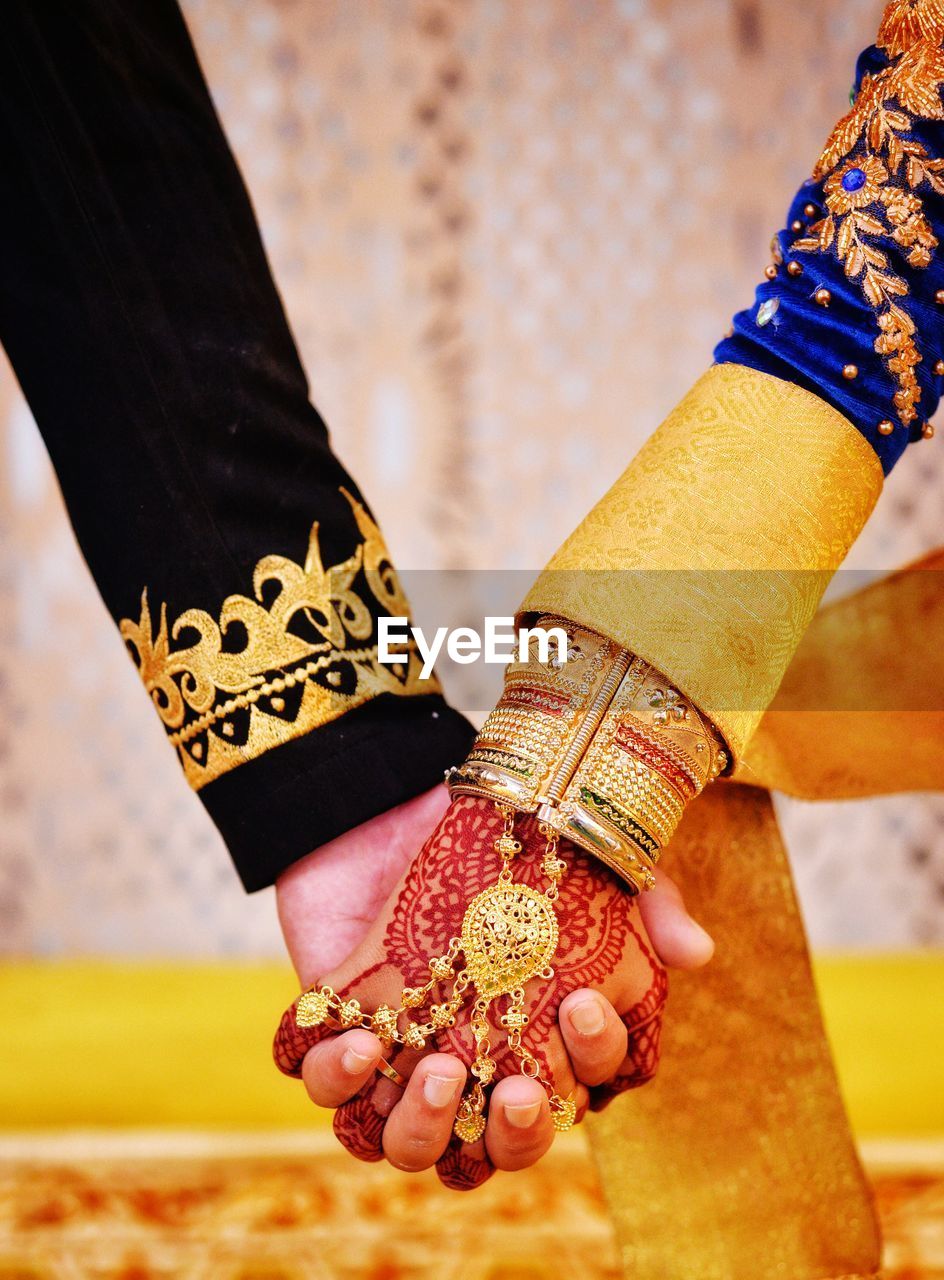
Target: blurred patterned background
(508, 236)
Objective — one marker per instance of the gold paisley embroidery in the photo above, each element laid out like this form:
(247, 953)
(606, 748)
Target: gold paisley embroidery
(273, 668)
(870, 196)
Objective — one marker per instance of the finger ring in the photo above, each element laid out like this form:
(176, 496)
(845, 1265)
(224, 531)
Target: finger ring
(384, 1067)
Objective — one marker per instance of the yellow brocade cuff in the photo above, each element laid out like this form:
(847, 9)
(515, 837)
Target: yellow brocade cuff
(709, 555)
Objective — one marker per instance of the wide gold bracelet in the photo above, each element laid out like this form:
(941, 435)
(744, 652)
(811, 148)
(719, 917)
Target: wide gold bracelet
(599, 746)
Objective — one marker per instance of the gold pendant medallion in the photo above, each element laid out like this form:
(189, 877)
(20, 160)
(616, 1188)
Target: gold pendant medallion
(509, 935)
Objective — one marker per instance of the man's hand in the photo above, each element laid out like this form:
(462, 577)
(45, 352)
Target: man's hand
(328, 900)
(328, 904)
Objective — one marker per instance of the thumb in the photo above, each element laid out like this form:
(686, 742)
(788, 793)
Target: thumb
(679, 941)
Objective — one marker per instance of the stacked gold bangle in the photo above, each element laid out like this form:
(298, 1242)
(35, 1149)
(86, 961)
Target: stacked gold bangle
(599, 746)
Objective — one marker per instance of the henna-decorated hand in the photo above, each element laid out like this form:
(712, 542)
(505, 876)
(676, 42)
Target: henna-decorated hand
(603, 964)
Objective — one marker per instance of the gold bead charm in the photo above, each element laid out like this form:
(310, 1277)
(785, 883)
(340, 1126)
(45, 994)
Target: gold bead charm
(349, 1013)
(822, 297)
(384, 1024)
(441, 968)
(469, 1124)
(414, 1037)
(313, 1007)
(886, 427)
(850, 372)
(795, 268)
(770, 272)
(441, 1015)
(927, 430)
(483, 1069)
(563, 1114)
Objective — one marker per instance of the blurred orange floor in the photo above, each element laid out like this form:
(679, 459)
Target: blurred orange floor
(145, 1135)
(153, 1206)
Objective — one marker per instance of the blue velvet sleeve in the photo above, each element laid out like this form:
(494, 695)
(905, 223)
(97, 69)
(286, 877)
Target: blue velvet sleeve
(853, 304)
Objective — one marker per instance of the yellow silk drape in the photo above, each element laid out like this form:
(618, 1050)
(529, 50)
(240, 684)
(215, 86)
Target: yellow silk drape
(708, 557)
(738, 1161)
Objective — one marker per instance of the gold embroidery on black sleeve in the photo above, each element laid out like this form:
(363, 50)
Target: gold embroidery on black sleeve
(274, 667)
(873, 173)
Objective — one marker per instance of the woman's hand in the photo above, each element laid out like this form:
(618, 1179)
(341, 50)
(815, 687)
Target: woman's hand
(594, 1026)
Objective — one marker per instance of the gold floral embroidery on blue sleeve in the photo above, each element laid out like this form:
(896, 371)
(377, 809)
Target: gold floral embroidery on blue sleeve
(875, 175)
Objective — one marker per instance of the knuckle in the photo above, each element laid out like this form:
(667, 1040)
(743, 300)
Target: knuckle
(594, 1075)
(319, 1095)
(411, 1153)
(325, 1092)
(515, 1157)
(606, 1061)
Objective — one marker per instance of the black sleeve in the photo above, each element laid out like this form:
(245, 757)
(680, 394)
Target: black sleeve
(236, 554)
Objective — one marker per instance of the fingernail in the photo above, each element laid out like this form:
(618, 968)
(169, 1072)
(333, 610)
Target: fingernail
(588, 1017)
(439, 1091)
(522, 1116)
(355, 1063)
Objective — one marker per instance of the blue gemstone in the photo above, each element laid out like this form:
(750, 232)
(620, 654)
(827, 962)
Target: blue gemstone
(854, 180)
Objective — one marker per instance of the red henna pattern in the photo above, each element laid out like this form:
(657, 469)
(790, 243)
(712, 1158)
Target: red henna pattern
(643, 1023)
(460, 1171)
(593, 912)
(358, 1126)
(597, 936)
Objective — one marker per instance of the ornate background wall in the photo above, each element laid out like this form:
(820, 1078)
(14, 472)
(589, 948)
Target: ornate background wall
(507, 235)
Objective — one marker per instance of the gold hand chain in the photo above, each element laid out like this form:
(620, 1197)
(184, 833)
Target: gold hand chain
(509, 935)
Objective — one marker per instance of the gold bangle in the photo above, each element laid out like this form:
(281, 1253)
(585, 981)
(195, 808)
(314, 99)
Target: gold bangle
(599, 746)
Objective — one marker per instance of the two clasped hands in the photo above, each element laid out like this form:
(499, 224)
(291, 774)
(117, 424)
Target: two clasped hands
(362, 914)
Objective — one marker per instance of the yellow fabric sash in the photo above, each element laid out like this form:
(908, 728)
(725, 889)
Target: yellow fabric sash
(720, 539)
(737, 1161)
